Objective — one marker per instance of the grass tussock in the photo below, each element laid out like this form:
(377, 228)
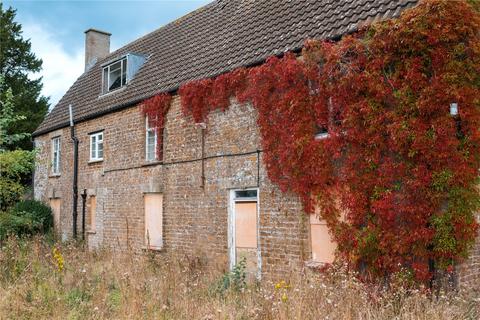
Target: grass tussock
(43, 280)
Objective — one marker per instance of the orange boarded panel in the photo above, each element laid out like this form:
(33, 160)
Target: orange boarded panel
(55, 204)
(153, 220)
(246, 224)
(323, 247)
(92, 212)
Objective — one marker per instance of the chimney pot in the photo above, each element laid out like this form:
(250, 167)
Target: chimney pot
(97, 46)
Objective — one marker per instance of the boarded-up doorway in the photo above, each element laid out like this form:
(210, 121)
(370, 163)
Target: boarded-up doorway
(55, 204)
(243, 230)
(153, 220)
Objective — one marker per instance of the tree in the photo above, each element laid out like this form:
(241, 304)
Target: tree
(16, 63)
(15, 166)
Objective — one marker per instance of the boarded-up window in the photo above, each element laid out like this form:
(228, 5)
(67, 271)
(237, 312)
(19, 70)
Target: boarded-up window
(55, 204)
(323, 247)
(92, 210)
(153, 220)
(246, 224)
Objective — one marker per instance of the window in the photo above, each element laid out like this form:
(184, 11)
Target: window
(153, 220)
(96, 146)
(56, 156)
(321, 133)
(150, 142)
(115, 75)
(119, 72)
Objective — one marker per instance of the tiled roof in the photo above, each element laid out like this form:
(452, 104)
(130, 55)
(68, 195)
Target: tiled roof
(219, 37)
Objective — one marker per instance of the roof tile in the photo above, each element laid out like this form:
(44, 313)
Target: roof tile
(215, 39)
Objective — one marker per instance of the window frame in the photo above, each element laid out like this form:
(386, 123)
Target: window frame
(95, 135)
(149, 129)
(106, 75)
(55, 167)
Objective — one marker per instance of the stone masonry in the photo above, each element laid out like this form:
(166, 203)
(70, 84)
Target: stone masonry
(194, 218)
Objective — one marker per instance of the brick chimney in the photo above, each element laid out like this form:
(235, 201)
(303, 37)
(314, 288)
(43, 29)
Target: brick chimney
(97, 46)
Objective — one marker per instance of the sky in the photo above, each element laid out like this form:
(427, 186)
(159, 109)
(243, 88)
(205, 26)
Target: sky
(56, 31)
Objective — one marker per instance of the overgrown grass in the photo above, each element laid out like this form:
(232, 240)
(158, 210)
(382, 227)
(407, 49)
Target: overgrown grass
(74, 283)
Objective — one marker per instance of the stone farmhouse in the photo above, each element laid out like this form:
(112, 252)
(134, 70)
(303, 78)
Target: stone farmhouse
(208, 195)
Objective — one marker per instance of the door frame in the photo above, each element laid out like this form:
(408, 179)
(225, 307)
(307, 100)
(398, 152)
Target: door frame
(232, 255)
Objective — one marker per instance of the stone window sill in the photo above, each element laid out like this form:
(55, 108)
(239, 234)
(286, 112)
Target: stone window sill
(54, 175)
(151, 163)
(91, 232)
(95, 161)
(152, 248)
(313, 264)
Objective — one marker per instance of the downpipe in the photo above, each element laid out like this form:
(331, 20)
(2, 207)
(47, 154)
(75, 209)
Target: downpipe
(75, 173)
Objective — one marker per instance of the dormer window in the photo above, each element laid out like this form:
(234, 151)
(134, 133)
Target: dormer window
(115, 75)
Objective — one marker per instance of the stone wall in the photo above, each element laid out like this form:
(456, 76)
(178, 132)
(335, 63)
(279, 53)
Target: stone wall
(469, 271)
(195, 217)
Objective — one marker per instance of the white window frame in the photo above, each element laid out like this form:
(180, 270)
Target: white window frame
(147, 130)
(106, 80)
(56, 148)
(94, 147)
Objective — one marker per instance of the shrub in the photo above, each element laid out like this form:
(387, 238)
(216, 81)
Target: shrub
(15, 168)
(26, 218)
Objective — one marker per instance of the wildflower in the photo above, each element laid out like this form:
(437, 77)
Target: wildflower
(57, 256)
(281, 285)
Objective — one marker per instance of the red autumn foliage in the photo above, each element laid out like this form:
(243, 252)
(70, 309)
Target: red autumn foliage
(396, 178)
(155, 109)
(202, 96)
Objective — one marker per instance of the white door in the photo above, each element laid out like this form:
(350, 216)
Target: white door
(243, 227)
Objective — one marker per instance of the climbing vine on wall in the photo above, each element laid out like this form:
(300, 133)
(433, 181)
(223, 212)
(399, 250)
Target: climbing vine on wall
(396, 176)
(155, 109)
(202, 96)
(407, 171)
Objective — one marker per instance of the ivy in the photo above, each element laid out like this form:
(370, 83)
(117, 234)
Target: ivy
(155, 109)
(396, 177)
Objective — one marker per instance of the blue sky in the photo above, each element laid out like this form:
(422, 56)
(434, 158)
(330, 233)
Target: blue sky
(56, 28)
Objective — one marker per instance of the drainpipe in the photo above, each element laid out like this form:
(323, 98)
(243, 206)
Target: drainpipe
(75, 172)
(258, 168)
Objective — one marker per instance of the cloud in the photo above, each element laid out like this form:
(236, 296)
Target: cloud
(60, 68)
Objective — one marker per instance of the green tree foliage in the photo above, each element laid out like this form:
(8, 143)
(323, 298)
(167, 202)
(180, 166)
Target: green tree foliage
(14, 167)
(8, 118)
(17, 165)
(16, 63)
